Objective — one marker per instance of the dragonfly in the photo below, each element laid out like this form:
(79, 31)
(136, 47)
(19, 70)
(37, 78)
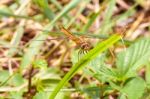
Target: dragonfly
(80, 42)
(83, 45)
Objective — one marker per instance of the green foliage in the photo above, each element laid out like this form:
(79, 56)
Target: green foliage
(92, 19)
(134, 88)
(92, 91)
(17, 80)
(133, 58)
(43, 4)
(124, 77)
(42, 64)
(4, 75)
(15, 41)
(106, 26)
(84, 60)
(4, 10)
(147, 76)
(102, 77)
(41, 95)
(35, 46)
(45, 95)
(16, 95)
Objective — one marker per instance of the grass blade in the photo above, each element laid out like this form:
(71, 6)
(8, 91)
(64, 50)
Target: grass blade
(70, 6)
(43, 4)
(84, 60)
(80, 10)
(93, 17)
(106, 26)
(16, 39)
(57, 4)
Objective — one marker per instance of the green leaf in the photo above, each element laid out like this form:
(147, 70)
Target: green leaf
(17, 80)
(147, 75)
(102, 71)
(45, 95)
(46, 78)
(92, 91)
(134, 57)
(85, 60)
(108, 73)
(96, 66)
(41, 95)
(114, 85)
(4, 75)
(134, 89)
(16, 95)
(42, 64)
(122, 96)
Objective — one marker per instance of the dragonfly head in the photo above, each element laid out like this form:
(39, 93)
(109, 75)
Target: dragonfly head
(86, 46)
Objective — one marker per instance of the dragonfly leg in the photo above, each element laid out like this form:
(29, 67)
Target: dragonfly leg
(79, 53)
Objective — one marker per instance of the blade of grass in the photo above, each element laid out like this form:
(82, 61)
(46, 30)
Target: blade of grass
(90, 22)
(36, 45)
(121, 17)
(67, 8)
(2, 13)
(19, 33)
(82, 7)
(125, 15)
(84, 60)
(55, 2)
(92, 18)
(43, 4)
(16, 39)
(105, 27)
